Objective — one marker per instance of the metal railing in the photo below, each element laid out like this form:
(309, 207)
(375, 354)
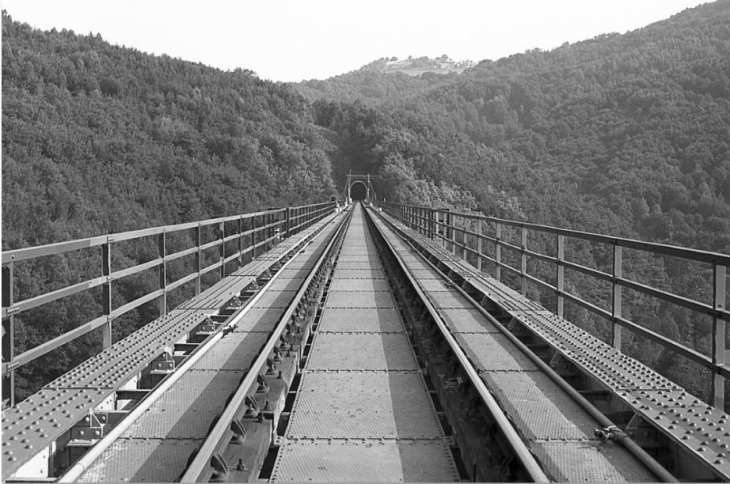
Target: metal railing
(455, 229)
(248, 233)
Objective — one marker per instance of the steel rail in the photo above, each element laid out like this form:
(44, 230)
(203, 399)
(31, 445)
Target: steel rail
(222, 430)
(75, 471)
(596, 414)
(531, 466)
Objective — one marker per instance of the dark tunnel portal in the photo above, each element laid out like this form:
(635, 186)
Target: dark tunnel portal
(358, 191)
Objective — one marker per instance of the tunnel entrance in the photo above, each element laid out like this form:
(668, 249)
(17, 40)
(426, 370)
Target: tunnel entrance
(358, 191)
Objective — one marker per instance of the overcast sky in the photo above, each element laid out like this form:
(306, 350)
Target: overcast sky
(291, 40)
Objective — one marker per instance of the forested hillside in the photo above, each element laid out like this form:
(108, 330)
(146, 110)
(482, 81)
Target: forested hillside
(101, 139)
(623, 134)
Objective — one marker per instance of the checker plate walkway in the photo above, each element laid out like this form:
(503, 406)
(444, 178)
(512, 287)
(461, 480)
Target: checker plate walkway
(363, 411)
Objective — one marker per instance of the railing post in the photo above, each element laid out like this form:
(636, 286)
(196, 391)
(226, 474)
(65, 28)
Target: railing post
(253, 237)
(240, 241)
(430, 223)
(480, 233)
(561, 275)
(451, 231)
(198, 260)
(719, 350)
(8, 333)
(498, 252)
(523, 261)
(106, 294)
(464, 237)
(616, 300)
(162, 271)
(287, 222)
(222, 249)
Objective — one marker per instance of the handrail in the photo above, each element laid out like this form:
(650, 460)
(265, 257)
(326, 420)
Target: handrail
(444, 225)
(254, 231)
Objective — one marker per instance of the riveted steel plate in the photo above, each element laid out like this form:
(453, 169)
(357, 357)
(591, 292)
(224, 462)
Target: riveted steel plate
(435, 285)
(538, 407)
(303, 263)
(467, 321)
(116, 364)
(259, 320)
(448, 300)
(690, 422)
(590, 461)
(423, 274)
(368, 320)
(353, 351)
(275, 299)
(40, 419)
(141, 461)
(365, 461)
(235, 351)
(357, 258)
(364, 405)
(358, 274)
(367, 265)
(216, 296)
(346, 285)
(282, 283)
(494, 352)
(361, 299)
(186, 410)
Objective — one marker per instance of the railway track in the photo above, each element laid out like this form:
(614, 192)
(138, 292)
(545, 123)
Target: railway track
(358, 361)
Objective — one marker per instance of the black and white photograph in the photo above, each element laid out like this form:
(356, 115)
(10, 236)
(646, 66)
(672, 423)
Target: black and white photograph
(365, 241)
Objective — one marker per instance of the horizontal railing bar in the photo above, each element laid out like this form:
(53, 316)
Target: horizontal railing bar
(51, 249)
(136, 303)
(683, 252)
(58, 341)
(63, 247)
(36, 301)
(673, 298)
(587, 270)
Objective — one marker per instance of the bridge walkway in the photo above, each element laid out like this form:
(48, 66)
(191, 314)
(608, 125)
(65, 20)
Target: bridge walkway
(363, 411)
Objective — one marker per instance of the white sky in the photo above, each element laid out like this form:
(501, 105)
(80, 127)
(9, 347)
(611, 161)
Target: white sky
(291, 40)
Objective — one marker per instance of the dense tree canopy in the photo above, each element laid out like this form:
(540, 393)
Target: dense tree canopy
(622, 134)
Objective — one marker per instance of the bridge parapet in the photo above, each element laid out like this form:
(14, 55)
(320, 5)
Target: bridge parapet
(220, 242)
(502, 246)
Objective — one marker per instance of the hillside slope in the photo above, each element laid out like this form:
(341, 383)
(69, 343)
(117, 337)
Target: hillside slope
(101, 139)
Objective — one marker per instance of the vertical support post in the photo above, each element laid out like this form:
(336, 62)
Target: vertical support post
(719, 350)
(464, 238)
(498, 252)
(287, 222)
(106, 294)
(451, 231)
(430, 212)
(616, 300)
(162, 271)
(480, 232)
(198, 260)
(561, 275)
(8, 333)
(253, 237)
(222, 249)
(523, 261)
(240, 241)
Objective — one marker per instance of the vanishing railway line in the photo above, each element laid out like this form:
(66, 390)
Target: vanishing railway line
(349, 356)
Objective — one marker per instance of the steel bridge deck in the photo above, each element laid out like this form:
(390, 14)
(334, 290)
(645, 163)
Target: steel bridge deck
(363, 411)
(558, 431)
(690, 423)
(157, 446)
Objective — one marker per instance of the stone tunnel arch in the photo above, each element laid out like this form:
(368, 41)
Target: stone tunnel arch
(358, 190)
